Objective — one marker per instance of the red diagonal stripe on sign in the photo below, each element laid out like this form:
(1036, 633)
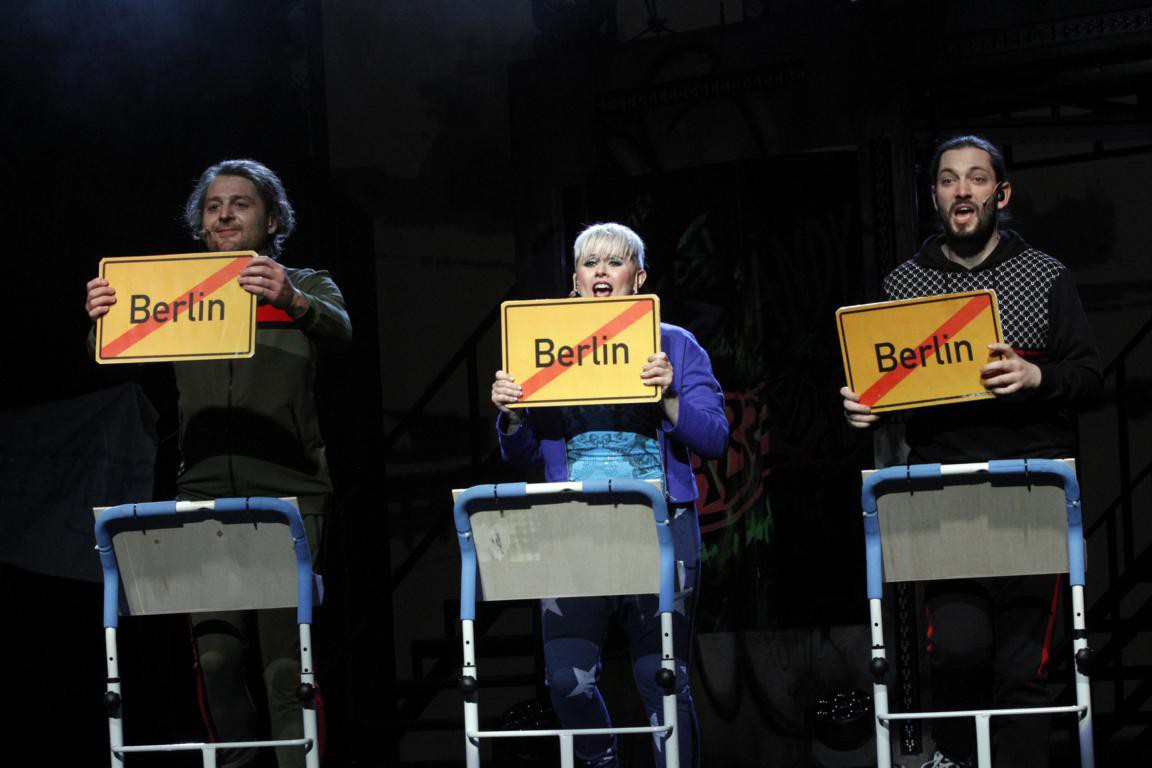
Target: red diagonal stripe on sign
(141, 331)
(951, 327)
(612, 328)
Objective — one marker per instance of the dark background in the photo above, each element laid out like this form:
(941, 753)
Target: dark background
(441, 157)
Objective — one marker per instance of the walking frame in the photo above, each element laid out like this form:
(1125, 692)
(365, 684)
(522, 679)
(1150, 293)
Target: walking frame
(188, 556)
(1021, 489)
(546, 540)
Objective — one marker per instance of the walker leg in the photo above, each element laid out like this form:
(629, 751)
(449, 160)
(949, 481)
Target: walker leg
(567, 751)
(671, 713)
(1087, 753)
(471, 746)
(471, 708)
(983, 741)
(883, 737)
(879, 666)
(115, 724)
(1083, 686)
(308, 678)
(672, 737)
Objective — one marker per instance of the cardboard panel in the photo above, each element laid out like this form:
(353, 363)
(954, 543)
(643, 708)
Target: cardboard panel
(973, 529)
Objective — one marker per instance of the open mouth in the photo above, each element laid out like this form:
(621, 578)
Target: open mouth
(601, 289)
(963, 213)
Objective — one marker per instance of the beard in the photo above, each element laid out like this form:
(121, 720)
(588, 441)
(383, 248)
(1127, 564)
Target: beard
(973, 241)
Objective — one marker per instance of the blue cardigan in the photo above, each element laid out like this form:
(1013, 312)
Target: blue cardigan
(701, 426)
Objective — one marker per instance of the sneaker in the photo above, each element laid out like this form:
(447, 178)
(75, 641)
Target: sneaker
(940, 761)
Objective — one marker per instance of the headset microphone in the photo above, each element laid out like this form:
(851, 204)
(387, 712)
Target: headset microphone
(997, 195)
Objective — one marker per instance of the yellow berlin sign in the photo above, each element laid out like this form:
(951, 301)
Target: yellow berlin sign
(919, 352)
(581, 351)
(184, 306)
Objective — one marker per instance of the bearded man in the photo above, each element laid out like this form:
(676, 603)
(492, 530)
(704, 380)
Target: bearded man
(988, 638)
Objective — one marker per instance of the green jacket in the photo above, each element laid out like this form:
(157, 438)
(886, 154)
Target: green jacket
(248, 427)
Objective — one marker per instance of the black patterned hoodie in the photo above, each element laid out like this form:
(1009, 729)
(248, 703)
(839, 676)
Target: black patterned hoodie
(1043, 320)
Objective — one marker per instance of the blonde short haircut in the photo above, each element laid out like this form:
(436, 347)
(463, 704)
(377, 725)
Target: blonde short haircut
(612, 238)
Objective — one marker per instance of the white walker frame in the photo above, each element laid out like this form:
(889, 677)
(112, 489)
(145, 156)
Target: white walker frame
(151, 589)
(921, 484)
(518, 538)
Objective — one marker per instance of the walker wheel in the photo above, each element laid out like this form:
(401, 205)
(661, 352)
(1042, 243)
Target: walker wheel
(467, 685)
(1084, 660)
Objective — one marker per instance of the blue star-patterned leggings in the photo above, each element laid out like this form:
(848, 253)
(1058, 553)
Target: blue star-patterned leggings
(574, 630)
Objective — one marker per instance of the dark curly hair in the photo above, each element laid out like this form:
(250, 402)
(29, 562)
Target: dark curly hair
(267, 183)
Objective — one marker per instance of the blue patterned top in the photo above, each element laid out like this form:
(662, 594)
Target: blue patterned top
(611, 441)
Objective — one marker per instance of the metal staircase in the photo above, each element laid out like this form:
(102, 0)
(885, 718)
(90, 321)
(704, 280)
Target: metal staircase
(1120, 613)
(424, 720)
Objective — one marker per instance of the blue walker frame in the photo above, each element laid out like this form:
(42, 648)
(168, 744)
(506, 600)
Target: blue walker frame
(229, 511)
(899, 478)
(468, 574)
